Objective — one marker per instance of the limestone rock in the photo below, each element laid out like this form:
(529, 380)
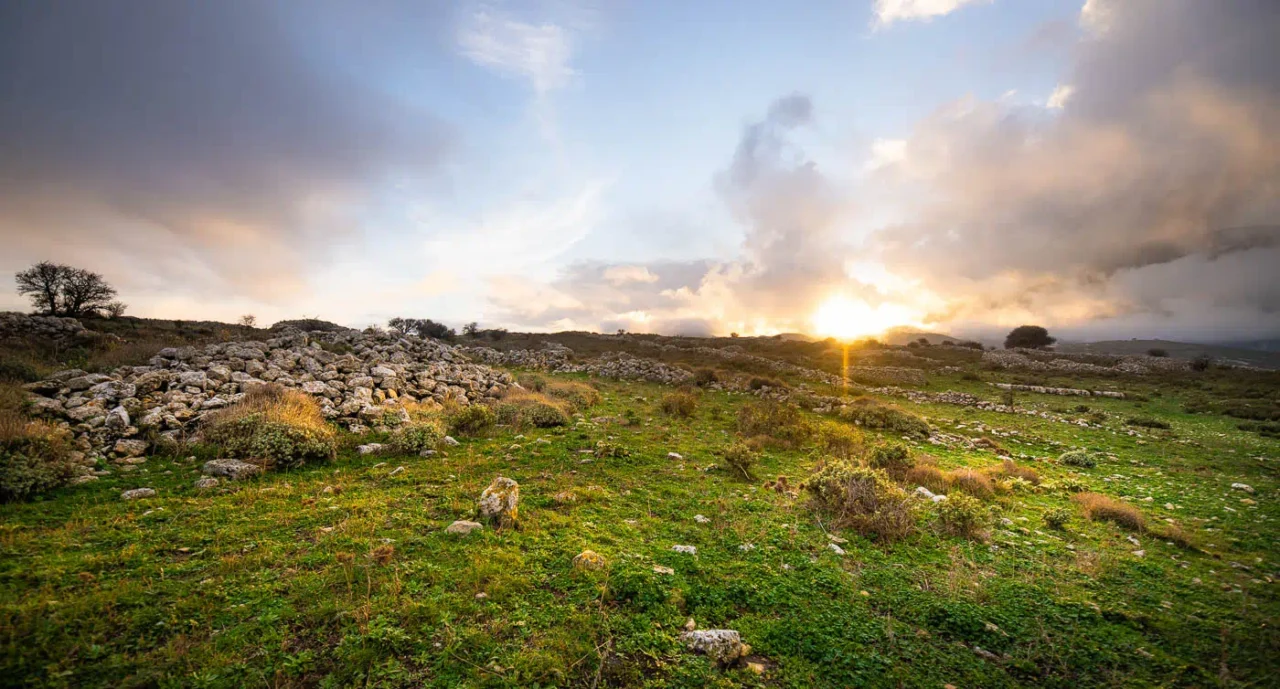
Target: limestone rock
(463, 527)
(722, 645)
(589, 559)
(233, 469)
(138, 493)
(129, 447)
(500, 501)
(206, 483)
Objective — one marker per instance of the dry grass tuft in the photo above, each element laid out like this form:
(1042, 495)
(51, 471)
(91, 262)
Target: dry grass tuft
(1008, 469)
(930, 477)
(681, 403)
(974, 483)
(273, 423)
(579, 395)
(1098, 507)
(865, 500)
(522, 408)
(782, 425)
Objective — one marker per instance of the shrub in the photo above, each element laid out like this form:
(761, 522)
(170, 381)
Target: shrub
(469, 419)
(18, 371)
(1201, 363)
(1029, 336)
(930, 477)
(532, 381)
(1009, 469)
(782, 424)
(523, 408)
(870, 413)
(740, 458)
(761, 382)
(972, 482)
(893, 458)
(839, 440)
(34, 457)
(703, 377)
(964, 516)
(606, 448)
(682, 403)
(1098, 507)
(1078, 458)
(1146, 422)
(281, 426)
(1057, 518)
(579, 395)
(862, 499)
(1158, 352)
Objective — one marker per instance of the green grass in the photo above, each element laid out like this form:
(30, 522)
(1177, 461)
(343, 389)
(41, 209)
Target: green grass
(274, 581)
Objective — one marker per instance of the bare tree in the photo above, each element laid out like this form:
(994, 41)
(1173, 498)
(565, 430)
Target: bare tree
(248, 320)
(471, 329)
(61, 290)
(43, 284)
(115, 309)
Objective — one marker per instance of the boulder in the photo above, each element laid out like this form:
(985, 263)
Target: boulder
(233, 469)
(138, 493)
(500, 501)
(463, 527)
(722, 645)
(126, 447)
(590, 560)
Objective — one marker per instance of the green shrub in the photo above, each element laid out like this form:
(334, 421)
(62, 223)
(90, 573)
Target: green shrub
(1078, 458)
(282, 426)
(532, 381)
(761, 382)
(681, 403)
(579, 395)
(870, 413)
(703, 377)
(524, 409)
(18, 371)
(865, 500)
(418, 435)
(607, 448)
(963, 515)
(740, 458)
(1057, 518)
(34, 457)
(972, 482)
(1146, 422)
(839, 440)
(893, 458)
(469, 419)
(778, 423)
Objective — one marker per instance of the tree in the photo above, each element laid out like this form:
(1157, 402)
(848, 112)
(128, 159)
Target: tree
(422, 327)
(1158, 352)
(248, 320)
(62, 290)
(1028, 336)
(115, 309)
(471, 329)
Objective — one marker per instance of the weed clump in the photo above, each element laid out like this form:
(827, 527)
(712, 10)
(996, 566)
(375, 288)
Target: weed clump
(892, 458)
(418, 435)
(1147, 422)
(870, 413)
(34, 457)
(839, 440)
(532, 381)
(1098, 507)
(1008, 469)
(777, 423)
(740, 458)
(680, 403)
(281, 426)
(863, 499)
(469, 419)
(1078, 458)
(703, 377)
(929, 476)
(579, 395)
(523, 408)
(1057, 518)
(964, 516)
(974, 483)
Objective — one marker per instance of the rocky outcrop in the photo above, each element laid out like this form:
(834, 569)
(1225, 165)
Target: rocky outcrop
(20, 326)
(1036, 360)
(1066, 392)
(356, 377)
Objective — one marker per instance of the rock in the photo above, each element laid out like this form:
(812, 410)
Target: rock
(138, 493)
(722, 645)
(449, 440)
(82, 478)
(1243, 486)
(206, 483)
(500, 501)
(117, 419)
(675, 455)
(463, 527)
(686, 549)
(564, 497)
(130, 447)
(589, 559)
(836, 549)
(701, 519)
(370, 449)
(233, 469)
(659, 569)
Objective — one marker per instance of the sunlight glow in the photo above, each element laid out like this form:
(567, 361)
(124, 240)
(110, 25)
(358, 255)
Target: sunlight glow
(846, 319)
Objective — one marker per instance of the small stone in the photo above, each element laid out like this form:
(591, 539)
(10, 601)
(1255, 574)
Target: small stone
(589, 559)
(450, 441)
(722, 645)
(1243, 486)
(686, 549)
(129, 447)
(757, 668)
(233, 469)
(206, 483)
(463, 527)
(500, 501)
(482, 596)
(690, 625)
(370, 449)
(397, 470)
(138, 493)
(659, 569)
(564, 497)
(836, 549)
(675, 455)
(701, 519)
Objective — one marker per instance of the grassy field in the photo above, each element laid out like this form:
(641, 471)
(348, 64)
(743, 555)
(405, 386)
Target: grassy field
(342, 575)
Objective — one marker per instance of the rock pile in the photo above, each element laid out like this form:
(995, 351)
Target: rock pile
(544, 360)
(20, 326)
(1036, 360)
(354, 376)
(1067, 392)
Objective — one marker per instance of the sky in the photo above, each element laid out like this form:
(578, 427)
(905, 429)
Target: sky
(1106, 168)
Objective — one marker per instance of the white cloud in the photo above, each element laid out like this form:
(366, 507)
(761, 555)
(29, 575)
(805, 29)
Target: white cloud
(622, 274)
(1061, 94)
(889, 11)
(538, 52)
(886, 152)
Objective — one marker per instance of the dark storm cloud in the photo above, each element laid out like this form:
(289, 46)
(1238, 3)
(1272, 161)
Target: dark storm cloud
(191, 140)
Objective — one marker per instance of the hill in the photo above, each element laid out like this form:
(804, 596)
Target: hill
(1177, 350)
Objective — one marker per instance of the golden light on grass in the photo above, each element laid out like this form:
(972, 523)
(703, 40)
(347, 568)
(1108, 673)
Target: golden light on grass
(846, 319)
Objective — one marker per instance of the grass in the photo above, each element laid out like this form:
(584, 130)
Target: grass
(340, 573)
(1102, 508)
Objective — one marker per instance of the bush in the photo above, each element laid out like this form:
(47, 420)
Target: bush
(1057, 518)
(761, 382)
(893, 458)
(1098, 507)
(469, 419)
(273, 423)
(870, 413)
(839, 440)
(781, 424)
(606, 448)
(703, 377)
(1201, 363)
(862, 499)
(532, 381)
(524, 408)
(964, 516)
(579, 395)
(1147, 422)
(34, 457)
(972, 482)
(1078, 458)
(931, 477)
(681, 403)
(15, 371)
(418, 435)
(1008, 469)
(1158, 352)
(1029, 336)
(740, 458)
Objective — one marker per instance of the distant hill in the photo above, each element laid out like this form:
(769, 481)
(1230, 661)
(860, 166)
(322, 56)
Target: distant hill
(904, 336)
(1176, 350)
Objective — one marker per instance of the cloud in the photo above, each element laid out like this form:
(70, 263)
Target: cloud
(539, 53)
(623, 274)
(890, 11)
(191, 147)
(1061, 94)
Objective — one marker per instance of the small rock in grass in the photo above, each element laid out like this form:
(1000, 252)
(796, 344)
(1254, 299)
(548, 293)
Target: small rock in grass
(1243, 486)
(396, 470)
(463, 527)
(686, 549)
(722, 645)
(134, 448)
(659, 569)
(450, 441)
(675, 455)
(701, 519)
(233, 469)
(500, 501)
(370, 449)
(206, 483)
(138, 493)
(589, 559)
(482, 595)
(836, 549)
(564, 497)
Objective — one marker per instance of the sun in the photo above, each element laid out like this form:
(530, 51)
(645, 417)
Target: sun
(847, 319)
